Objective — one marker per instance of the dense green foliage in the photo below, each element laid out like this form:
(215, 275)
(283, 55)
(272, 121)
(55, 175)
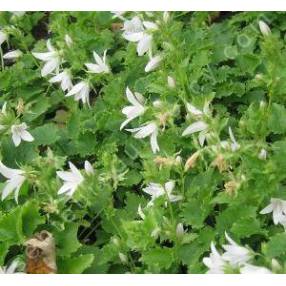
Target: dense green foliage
(219, 62)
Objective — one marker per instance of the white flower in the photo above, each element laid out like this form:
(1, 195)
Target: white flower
(278, 208)
(11, 269)
(64, 79)
(100, 66)
(3, 37)
(252, 269)
(144, 45)
(234, 145)
(214, 262)
(149, 129)
(80, 91)
(157, 190)
(15, 180)
(68, 40)
(153, 63)
(235, 254)
(133, 29)
(135, 110)
(12, 55)
(171, 82)
(200, 125)
(72, 180)
(19, 133)
(51, 58)
(264, 28)
(262, 154)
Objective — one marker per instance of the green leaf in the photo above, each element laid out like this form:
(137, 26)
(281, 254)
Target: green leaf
(74, 265)
(276, 246)
(46, 134)
(66, 240)
(158, 258)
(31, 217)
(11, 226)
(277, 120)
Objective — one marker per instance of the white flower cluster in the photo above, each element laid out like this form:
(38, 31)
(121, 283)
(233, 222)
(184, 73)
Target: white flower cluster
(235, 257)
(278, 209)
(140, 32)
(16, 177)
(53, 65)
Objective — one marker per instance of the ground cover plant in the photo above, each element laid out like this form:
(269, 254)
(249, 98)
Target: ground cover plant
(142, 142)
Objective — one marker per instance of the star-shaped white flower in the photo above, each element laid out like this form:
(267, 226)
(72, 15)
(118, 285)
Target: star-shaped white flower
(100, 66)
(200, 125)
(134, 31)
(149, 129)
(73, 178)
(278, 208)
(214, 262)
(15, 179)
(64, 79)
(19, 133)
(157, 190)
(51, 58)
(235, 254)
(135, 110)
(80, 92)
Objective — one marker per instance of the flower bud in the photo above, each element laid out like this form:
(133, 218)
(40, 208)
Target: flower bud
(157, 103)
(259, 76)
(68, 40)
(115, 241)
(180, 230)
(262, 154)
(122, 257)
(166, 16)
(264, 28)
(171, 82)
(178, 160)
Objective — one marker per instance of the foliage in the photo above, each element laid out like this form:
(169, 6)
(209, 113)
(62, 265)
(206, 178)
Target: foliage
(216, 59)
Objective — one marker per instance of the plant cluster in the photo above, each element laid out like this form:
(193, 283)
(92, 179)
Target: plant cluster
(144, 142)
